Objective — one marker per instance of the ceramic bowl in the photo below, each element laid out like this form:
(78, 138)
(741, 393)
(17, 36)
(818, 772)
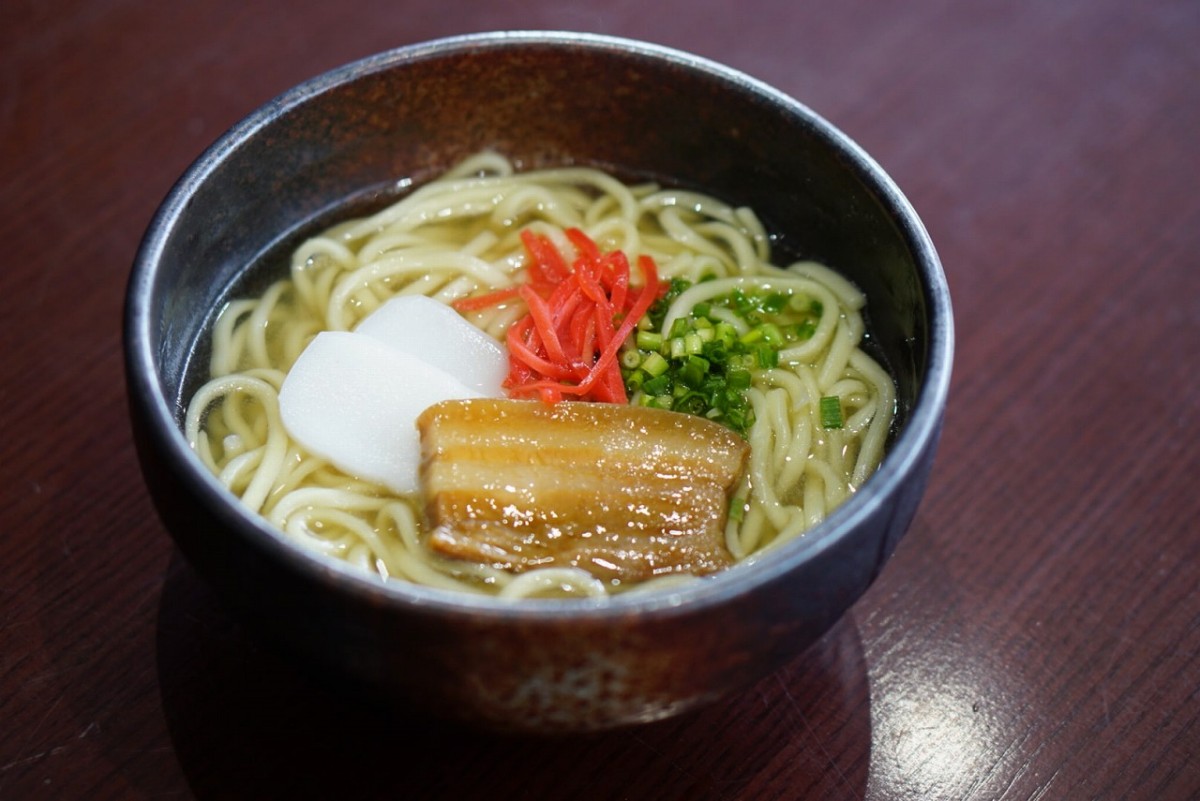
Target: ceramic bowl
(347, 138)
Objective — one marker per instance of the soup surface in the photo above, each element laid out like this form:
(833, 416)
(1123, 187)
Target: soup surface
(576, 289)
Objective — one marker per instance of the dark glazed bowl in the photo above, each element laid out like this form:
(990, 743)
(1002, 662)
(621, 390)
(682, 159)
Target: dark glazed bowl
(350, 137)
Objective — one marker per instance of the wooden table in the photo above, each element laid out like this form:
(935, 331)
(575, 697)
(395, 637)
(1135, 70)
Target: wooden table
(1037, 634)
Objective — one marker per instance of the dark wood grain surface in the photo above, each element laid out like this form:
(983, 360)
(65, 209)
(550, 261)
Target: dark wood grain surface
(1037, 634)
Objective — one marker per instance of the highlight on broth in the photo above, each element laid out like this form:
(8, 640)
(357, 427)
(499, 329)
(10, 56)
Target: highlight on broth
(727, 342)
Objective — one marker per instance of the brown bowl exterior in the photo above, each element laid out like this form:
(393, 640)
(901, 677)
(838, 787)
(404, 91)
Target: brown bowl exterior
(348, 137)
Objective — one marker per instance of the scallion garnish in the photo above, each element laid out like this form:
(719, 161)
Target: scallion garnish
(702, 365)
(831, 412)
(649, 340)
(737, 509)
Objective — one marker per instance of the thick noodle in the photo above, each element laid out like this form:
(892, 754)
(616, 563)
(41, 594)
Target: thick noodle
(458, 236)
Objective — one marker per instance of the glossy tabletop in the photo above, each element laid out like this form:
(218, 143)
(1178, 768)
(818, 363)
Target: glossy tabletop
(1035, 636)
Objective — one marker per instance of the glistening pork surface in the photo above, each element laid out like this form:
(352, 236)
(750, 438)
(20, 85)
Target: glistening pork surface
(625, 493)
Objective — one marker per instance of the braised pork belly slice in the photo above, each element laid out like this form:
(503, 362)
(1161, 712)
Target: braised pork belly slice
(625, 493)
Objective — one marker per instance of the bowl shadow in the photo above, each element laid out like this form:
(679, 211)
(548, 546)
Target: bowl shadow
(245, 723)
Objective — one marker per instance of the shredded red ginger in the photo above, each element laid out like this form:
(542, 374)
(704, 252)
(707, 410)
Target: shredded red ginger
(579, 315)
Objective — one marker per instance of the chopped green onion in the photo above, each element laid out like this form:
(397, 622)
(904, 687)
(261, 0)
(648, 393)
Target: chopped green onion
(649, 340)
(738, 379)
(746, 361)
(654, 364)
(740, 419)
(772, 334)
(831, 412)
(691, 403)
(657, 385)
(694, 370)
(806, 329)
(775, 302)
(737, 509)
(751, 336)
(701, 364)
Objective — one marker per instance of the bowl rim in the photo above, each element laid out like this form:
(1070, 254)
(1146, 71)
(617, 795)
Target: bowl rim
(920, 431)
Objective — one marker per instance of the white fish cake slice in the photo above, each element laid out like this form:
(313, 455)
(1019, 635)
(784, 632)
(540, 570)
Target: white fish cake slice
(354, 400)
(437, 334)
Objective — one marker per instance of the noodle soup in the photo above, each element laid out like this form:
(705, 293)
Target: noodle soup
(791, 377)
